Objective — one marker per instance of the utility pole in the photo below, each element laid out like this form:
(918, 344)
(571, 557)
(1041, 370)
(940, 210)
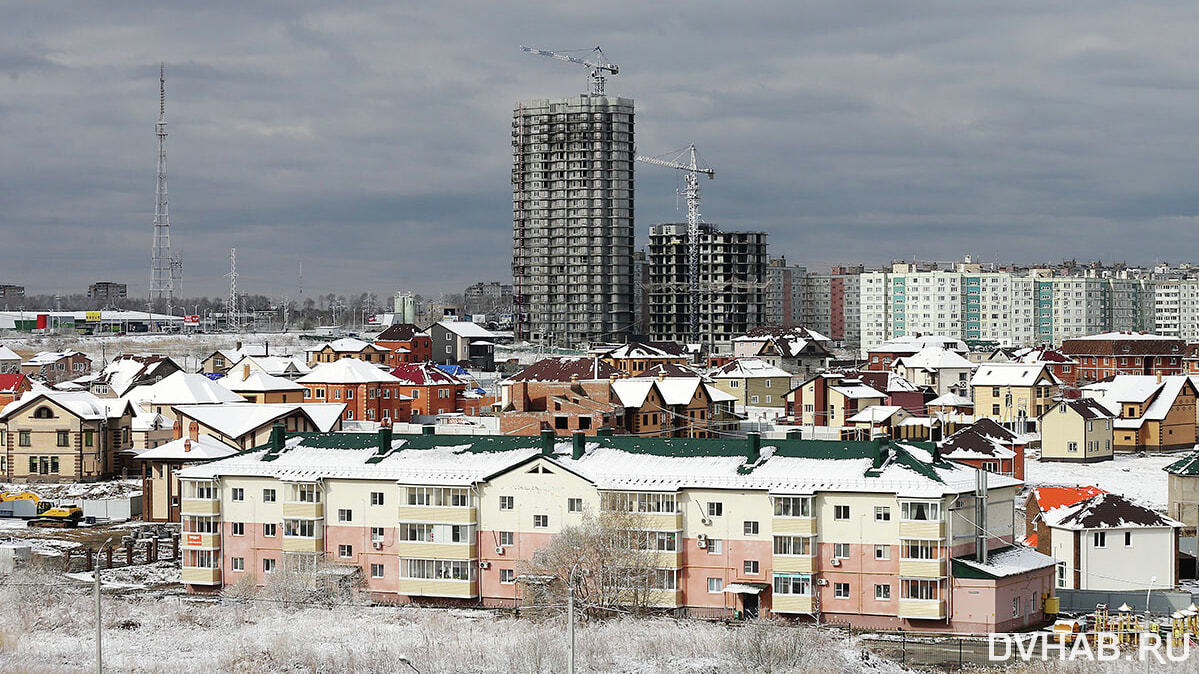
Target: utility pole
(570, 619)
(99, 625)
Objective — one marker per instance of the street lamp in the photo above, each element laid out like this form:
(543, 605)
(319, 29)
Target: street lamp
(99, 627)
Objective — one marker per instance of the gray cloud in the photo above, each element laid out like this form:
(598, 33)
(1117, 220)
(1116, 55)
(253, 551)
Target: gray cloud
(371, 141)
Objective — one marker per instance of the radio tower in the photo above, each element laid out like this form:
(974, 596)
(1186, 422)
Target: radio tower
(232, 318)
(162, 274)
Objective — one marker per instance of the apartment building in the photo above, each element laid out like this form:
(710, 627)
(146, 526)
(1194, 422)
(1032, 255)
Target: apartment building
(572, 219)
(1108, 354)
(107, 290)
(831, 304)
(871, 534)
(784, 296)
(732, 284)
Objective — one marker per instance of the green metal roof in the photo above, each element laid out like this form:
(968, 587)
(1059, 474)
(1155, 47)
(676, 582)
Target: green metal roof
(1188, 465)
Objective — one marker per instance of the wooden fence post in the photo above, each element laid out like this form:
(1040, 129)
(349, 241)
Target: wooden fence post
(88, 558)
(67, 556)
(175, 547)
(108, 555)
(129, 553)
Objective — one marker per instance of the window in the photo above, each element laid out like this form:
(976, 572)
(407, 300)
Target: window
(1015, 607)
(349, 394)
(237, 494)
(574, 505)
(299, 528)
(541, 521)
(640, 502)
(1127, 539)
(238, 528)
(841, 512)
(376, 570)
(920, 589)
(1071, 446)
(840, 550)
(345, 515)
(237, 563)
(792, 583)
(792, 506)
(919, 550)
(920, 511)
(89, 438)
(882, 514)
(376, 534)
(268, 495)
(507, 502)
(1061, 574)
(64, 438)
(715, 585)
(441, 497)
(715, 509)
(268, 566)
(841, 590)
(882, 592)
(345, 551)
(507, 538)
(376, 498)
(440, 569)
(882, 552)
(793, 545)
(1100, 539)
(751, 528)
(306, 493)
(23, 438)
(507, 576)
(991, 466)
(269, 530)
(750, 567)
(753, 399)
(43, 413)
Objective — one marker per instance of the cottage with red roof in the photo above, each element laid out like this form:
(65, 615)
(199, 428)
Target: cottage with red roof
(433, 390)
(12, 386)
(1041, 499)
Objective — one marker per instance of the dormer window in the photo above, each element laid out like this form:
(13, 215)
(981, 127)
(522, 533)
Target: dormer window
(43, 413)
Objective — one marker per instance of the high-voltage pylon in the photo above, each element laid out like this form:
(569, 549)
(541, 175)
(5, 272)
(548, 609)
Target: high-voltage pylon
(162, 268)
(232, 317)
(693, 168)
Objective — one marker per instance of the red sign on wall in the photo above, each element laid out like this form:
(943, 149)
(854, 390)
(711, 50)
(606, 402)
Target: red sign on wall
(194, 539)
(191, 319)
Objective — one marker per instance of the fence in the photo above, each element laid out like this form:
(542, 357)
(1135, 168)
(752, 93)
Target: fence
(130, 553)
(947, 653)
(1161, 602)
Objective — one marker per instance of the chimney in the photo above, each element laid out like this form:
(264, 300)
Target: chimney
(187, 445)
(278, 434)
(1159, 376)
(245, 372)
(193, 431)
(661, 376)
(578, 445)
(547, 442)
(980, 516)
(385, 437)
(237, 347)
(753, 447)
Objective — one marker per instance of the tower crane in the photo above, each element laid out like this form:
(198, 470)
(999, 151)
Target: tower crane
(595, 61)
(693, 168)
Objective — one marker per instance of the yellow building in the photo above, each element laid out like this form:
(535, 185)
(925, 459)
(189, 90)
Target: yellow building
(1013, 392)
(257, 386)
(1078, 431)
(53, 436)
(753, 382)
(1153, 413)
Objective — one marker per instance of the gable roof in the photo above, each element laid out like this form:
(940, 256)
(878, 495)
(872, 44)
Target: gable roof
(11, 383)
(424, 374)
(1123, 344)
(7, 354)
(183, 388)
(743, 368)
(563, 369)
(1049, 498)
(203, 448)
(348, 345)
(347, 371)
(258, 382)
(984, 439)
(236, 419)
(1106, 511)
(1012, 374)
(876, 414)
(125, 371)
(80, 403)
(400, 332)
(276, 365)
(1087, 408)
(647, 350)
(50, 357)
(1160, 395)
(787, 342)
(466, 329)
(950, 400)
(669, 370)
(1187, 465)
(911, 344)
(855, 389)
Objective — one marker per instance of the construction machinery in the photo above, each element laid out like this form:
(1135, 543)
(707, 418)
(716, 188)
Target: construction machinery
(58, 517)
(693, 168)
(21, 504)
(595, 62)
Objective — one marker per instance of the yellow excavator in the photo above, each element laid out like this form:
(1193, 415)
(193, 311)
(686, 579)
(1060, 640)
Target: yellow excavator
(42, 513)
(57, 517)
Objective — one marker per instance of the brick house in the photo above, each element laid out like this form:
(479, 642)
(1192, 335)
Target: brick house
(636, 357)
(54, 367)
(348, 347)
(369, 392)
(432, 390)
(13, 386)
(408, 344)
(1115, 353)
(988, 446)
(1153, 413)
(53, 436)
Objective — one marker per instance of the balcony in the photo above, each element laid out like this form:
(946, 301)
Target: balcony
(922, 568)
(663, 597)
(197, 576)
(303, 510)
(199, 506)
(303, 544)
(792, 564)
(790, 603)
(440, 514)
(420, 550)
(793, 525)
(923, 530)
(924, 609)
(429, 587)
(659, 521)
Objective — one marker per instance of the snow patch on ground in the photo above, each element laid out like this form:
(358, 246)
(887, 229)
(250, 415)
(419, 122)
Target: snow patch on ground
(142, 576)
(1136, 477)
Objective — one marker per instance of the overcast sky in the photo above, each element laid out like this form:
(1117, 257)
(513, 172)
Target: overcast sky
(372, 141)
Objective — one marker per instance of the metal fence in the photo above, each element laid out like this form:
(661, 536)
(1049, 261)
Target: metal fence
(947, 653)
(1161, 602)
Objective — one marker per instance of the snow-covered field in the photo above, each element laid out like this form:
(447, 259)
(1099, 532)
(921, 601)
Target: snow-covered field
(186, 349)
(1139, 478)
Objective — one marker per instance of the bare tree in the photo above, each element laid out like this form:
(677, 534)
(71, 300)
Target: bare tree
(613, 563)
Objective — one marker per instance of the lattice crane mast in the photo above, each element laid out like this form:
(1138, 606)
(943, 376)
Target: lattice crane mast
(692, 168)
(595, 61)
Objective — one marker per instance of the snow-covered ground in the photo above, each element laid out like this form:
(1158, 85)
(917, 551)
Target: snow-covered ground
(186, 349)
(78, 491)
(1139, 478)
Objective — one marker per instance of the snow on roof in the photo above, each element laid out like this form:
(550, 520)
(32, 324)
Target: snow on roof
(183, 388)
(719, 396)
(1130, 336)
(150, 421)
(935, 358)
(984, 439)
(80, 403)
(467, 329)
(276, 365)
(257, 382)
(348, 345)
(203, 448)
(424, 374)
(8, 354)
(1188, 465)
(1106, 511)
(914, 343)
(855, 389)
(347, 371)
(1011, 561)
(9, 383)
(647, 350)
(123, 372)
(742, 368)
(1049, 498)
(632, 392)
(1137, 388)
(236, 419)
(1088, 408)
(1013, 374)
(563, 369)
(950, 400)
(670, 370)
(51, 357)
(875, 414)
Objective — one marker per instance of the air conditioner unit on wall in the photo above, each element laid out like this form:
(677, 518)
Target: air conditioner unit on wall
(701, 543)
(835, 562)
(378, 545)
(499, 549)
(821, 582)
(484, 565)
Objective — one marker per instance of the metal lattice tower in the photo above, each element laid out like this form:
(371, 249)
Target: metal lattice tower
(162, 274)
(232, 318)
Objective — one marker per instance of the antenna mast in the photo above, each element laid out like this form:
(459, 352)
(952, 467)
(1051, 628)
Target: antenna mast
(232, 319)
(163, 268)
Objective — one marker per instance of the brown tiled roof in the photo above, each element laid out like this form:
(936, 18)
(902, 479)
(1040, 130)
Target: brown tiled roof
(1131, 346)
(399, 332)
(562, 369)
(1108, 511)
(1089, 408)
(668, 370)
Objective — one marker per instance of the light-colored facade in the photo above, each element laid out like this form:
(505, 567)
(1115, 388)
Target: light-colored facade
(572, 219)
(1011, 393)
(1077, 431)
(64, 436)
(872, 554)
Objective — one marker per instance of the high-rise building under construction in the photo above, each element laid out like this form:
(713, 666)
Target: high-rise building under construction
(572, 219)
